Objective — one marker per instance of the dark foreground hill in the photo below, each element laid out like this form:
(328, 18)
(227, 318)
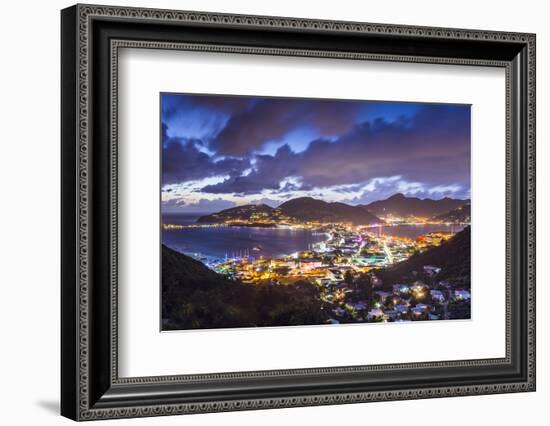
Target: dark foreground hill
(195, 297)
(402, 206)
(453, 257)
(459, 215)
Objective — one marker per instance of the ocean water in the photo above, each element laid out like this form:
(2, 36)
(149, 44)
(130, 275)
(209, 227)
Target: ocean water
(219, 242)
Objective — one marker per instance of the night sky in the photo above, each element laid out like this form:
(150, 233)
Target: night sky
(221, 151)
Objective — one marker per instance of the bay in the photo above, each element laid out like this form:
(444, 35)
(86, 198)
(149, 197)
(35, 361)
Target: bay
(219, 242)
(216, 243)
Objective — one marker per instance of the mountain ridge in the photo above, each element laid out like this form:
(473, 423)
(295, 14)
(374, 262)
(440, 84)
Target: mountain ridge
(402, 206)
(311, 209)
(303, 209)
(244, 212)
(461, 214)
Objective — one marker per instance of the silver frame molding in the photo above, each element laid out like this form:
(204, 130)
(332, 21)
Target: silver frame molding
(91, 387)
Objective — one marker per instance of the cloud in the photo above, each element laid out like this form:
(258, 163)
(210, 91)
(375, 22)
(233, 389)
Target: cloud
(173, 205)
(268, 201)
(384, 187)
(270, 172)
(269, 119)
(201, 206)
(183, 161)
(432, 147)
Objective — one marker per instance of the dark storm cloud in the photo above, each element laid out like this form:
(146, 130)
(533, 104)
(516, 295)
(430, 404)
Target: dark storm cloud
(228, 104)
(268, 172)
(164, 131)
(173, 104)
(202, 205)
(269, 119)
(182, 161)
(433, 146)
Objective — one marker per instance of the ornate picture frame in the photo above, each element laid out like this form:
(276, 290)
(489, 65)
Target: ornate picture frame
(91, 37)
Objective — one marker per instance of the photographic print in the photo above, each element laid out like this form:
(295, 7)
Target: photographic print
(293, 211)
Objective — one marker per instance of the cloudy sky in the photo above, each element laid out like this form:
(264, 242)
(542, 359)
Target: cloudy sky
(221, 151)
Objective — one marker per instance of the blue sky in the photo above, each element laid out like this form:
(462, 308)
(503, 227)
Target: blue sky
(220, 151)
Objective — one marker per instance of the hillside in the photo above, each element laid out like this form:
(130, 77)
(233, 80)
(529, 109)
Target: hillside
(195, 297)
(300, 209)
(247, 212)
(310, 209)
(461, 214)
(307, 209)
(453, 257)
(402, 206)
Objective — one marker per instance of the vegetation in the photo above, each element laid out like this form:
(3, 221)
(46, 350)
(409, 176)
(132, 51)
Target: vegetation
(459, 215)
(309, 209)
(453, 257)
(245, 212)
(402, 206)
(304, 209)
(194, 297)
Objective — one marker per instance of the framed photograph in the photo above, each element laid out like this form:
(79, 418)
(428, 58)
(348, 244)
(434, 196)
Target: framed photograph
(263, 212)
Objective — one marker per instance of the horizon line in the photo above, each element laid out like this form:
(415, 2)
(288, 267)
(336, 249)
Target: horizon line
(319, 199)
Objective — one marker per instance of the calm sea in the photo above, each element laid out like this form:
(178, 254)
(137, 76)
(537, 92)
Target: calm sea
(218, 242)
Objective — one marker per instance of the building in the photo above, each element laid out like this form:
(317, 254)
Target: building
(462, 295)
(401, 308)
(437, 295)
(383, 295)
(339, 312)
(375, 313)
(310, 264)
(390, 314)
(401, 289)
(360, 306)
(431, 270)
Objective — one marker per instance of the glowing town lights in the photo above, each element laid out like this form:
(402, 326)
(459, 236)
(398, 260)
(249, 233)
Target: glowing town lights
(347, 258)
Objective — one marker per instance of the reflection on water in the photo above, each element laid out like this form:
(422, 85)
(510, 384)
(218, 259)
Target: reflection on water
(221, 242)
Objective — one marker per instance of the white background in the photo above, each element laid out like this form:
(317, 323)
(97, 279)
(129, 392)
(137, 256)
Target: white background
(29, 225)
(146, 352)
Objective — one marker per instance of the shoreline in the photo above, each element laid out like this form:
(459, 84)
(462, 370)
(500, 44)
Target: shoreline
(253, 250)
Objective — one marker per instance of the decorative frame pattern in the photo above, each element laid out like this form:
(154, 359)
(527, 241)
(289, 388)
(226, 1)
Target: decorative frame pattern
(87, 405)
(118, 44)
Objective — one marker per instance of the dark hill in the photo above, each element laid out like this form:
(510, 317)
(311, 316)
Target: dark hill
(181, 273)
(195, 297)
(310, 209)
(459, 215)
(246, 212)
(453, 257)
(300, 209)
(400, 205)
